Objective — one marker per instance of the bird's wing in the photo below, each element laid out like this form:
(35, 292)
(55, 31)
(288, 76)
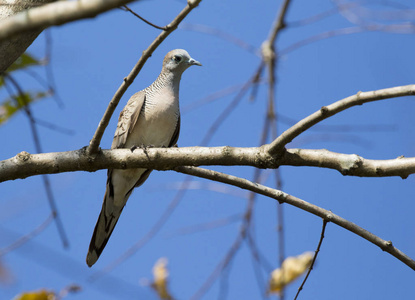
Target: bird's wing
(128, 118)
(175, 136)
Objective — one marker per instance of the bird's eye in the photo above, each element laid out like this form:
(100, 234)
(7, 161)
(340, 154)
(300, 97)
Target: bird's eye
(177, 58)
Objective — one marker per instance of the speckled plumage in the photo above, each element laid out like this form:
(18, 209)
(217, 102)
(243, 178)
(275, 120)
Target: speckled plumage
(150, 118)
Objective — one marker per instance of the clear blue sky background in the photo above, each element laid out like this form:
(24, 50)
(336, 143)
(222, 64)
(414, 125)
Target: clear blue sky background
(90, 58)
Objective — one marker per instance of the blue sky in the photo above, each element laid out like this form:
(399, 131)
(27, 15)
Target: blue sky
(89, 60)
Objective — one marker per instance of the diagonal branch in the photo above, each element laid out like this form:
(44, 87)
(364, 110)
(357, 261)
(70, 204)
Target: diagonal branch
(282, 197)
(125, 7)
(323, 230)
(277, 146)
(96, 139)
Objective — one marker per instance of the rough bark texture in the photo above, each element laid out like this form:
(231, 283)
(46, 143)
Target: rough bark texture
(11, 49)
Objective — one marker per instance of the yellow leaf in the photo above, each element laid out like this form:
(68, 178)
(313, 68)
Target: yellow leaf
(291, 269)
(36, 295)
(161, 275)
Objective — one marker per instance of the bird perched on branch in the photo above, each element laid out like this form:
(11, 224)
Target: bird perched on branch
(151, 118)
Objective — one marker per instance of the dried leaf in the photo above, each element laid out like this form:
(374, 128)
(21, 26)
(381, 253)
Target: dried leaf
(291, 269)
(36, 295)
(161, 275)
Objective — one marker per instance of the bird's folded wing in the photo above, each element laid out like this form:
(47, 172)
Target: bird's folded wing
(128, 118)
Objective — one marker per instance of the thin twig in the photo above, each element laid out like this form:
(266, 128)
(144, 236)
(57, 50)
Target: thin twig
(323, 229)
(395, 28)
(125, 7)
(206, 226)
(222, 265)
(259, 257)
(38, 147)
(212, 97)
(54, 127)
(22, 240)
(222, 35)
(227, 111)
(341, 127)
(50, 76)
(270, 58)
(280, 196)
(93, 147)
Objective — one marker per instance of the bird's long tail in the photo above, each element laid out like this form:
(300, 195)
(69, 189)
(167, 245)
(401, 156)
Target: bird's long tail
(102, 232)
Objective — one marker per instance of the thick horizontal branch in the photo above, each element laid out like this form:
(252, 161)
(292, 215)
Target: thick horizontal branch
(325, 112)
(349, 164)
(282, 197)
(56, 13)
(25, 165)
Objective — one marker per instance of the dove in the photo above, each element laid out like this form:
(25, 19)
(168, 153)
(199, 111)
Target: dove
(151, 118)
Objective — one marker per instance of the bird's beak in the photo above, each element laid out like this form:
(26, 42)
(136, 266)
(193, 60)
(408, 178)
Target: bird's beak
(193, 62)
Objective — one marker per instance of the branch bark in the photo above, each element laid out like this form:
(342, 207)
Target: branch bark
(57, 13)
(11, 49)
(24, 165)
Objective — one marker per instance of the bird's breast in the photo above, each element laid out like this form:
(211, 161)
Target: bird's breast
(157, 122)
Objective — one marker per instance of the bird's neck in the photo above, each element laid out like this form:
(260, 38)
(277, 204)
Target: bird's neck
(168, 80)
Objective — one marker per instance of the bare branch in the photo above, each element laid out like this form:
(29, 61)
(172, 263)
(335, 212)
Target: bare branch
(282, 197)
(28, 236)
(125, 7)
(24, 165)
(56, 13)
(327, 111)
(323, 230)
(222, 35)
(279, 22)
(38, 147)
(96, 139)
(405, 28)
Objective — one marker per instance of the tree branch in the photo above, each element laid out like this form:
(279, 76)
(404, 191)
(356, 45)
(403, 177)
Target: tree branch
(282, 197)
(277, 146)
(24, 165)
(96, 139)
(56, 13)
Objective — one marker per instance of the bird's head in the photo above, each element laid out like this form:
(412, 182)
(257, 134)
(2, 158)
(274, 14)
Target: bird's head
(178, 60)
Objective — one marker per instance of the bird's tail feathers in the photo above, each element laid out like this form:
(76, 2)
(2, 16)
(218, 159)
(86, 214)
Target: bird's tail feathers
(102, 232)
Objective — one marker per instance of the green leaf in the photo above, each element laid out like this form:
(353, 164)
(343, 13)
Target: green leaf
(15, 103)
(24, 61)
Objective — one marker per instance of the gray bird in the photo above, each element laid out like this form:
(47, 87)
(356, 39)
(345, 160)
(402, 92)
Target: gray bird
(150, 118)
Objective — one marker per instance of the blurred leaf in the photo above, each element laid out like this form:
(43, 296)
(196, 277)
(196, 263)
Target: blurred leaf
(291, 269)
(161, 275)
(15, 103)
(36, 295)
(25, 60)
